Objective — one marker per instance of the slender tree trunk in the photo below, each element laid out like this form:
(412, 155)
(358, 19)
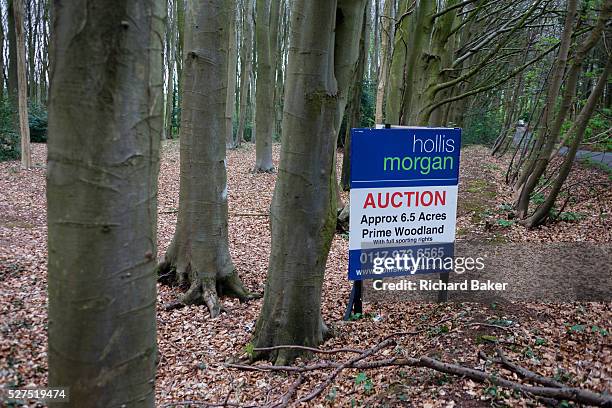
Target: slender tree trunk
(31, 41)
(231, 77)
(179, 55)
(170, 62)
(303, 210)
(198, 258)
(1, 58)
(411, 38)
(266, 31)
(577, 130)
(45, 56)
(13, 86)
(280, 72)
(536, 167)
(105, 120)
(22, 93)
(245, 71)
(353, 109)
(374, 61)
(383, 74)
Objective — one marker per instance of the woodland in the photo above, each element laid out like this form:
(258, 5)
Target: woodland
(174, 200)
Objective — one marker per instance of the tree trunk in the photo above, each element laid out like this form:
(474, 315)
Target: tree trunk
(105, 120)
(415, 31)
(1, 58)
(383, 74)
(353, 109)
(13, 86)
(231, 77)
(198, 258)
(245, 71)
(170, 58)
(374, 62)
(22, 93)
(577, 130)
(266, 31)
(28, 16)
(303, 210)
(536, 167)
(179, 56)
(528, 180)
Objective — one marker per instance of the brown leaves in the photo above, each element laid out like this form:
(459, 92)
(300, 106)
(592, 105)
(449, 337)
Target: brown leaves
(194, 348)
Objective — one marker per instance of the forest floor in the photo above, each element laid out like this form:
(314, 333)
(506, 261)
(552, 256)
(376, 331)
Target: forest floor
(567, 341)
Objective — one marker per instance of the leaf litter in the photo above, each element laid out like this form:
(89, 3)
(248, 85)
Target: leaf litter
(567, 342)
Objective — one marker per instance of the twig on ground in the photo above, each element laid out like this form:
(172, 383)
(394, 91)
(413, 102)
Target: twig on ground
(330, 378)
(288, 396)
(207, 404)
(312, 349)
(494, 326)
(527, 374)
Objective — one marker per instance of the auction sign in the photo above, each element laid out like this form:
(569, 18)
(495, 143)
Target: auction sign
(403, 200)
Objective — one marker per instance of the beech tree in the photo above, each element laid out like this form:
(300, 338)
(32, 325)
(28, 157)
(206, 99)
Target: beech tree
(266, 32)
(322, 57)
(198, 258)
(231, 77)
(246, 57)
(105, 122)
(553, 119)
(22, 88)
(386, 43)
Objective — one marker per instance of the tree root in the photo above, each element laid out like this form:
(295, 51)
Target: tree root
(203, 290)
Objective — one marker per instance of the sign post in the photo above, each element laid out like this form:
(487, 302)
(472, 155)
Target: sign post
(403, 203)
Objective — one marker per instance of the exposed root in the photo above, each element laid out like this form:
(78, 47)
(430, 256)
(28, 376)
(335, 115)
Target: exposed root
(231, 285)
(269, 171)
(281, 355)
(202, 290)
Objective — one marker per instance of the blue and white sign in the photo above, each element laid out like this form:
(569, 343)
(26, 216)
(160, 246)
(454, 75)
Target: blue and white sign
(403, 199)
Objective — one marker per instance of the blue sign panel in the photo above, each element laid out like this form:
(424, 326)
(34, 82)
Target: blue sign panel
(403, 200)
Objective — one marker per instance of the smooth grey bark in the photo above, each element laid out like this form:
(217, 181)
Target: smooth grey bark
(266, 32)
(105, 122)
(383, 74)
(22, 88)
(303, 210)
(1, 58)
(246, 68)
(170, 58)
(353, 109)
(350, 39)
(231, 76)
(198, 258)
(12, 64)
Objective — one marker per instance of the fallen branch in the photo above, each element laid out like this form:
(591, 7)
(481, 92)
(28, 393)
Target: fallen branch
(312, 349)
(565, 393)
(527, 374)
(557, 391)
(206, 404)
(288, 396)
